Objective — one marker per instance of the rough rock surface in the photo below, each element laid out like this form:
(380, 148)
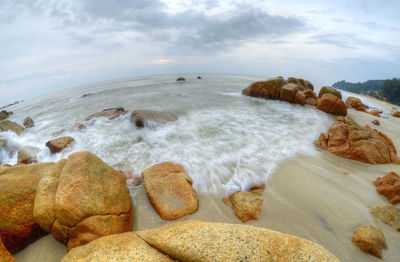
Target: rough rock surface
(170, 190)
(7, 125)
(247, 205)
(5, 256)
(331, 90)
(143, 118)
(388, 214)
(125, 247)
(370, 240)
(58, 144)
(355, 103)
(330, 103)
(206, 241)
(109, 113)
(28, 122)
(375, 122)
(396, 114)
(347, 139)
(27, 155)
(389, 187)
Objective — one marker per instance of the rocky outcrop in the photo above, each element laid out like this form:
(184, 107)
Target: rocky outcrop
(347, 139)
(180, 79)
(7, 125)
(206, 241)
(355, 103)
(5, 256)
(109, 113)
(57, 145)
(28, 122)
(170, 190)
(388, 214)
(142, 118)
(396, 114)
(329, 90)
(27, 155)
(370, 240)
(376, 122)
(4, 114)
(125, 247)
(389, 187)
(330, 103)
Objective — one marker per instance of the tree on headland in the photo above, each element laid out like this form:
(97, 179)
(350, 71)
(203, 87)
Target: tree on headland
(391, 90)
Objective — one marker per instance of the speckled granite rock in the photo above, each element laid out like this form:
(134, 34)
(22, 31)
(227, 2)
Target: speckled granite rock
(389, 187)
(206, 241)
(247, 205)
(5, 256)
(370, 240)
(388, 214)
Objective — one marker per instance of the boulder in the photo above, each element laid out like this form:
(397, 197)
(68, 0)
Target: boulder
(330, 103)
(170, 190)
(27, 155)
(125, 247)
(58, 144)
(376, 113)
(308, 93)
(347, 139)
(4, 114)
(292, 93)
(247, 205)
(370, 240)
(7, 125)
(311, 101)
(143, 118)
(354, 102)
(389, 187)
(28, 122)
(5, 256)
(180, 79)
(396, 114)
(109, 113)
(330, 90)
(388, 214)
(207, 241)
(269, 89)
(375, 122)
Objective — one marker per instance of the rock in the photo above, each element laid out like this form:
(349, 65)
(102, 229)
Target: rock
(180, 79)
(5, 256)
(308, 93)
(269, 89)
(303, 84)
(79, 126)
(247, 205)
(331, 90)
(347, 139)
(375, 122)
(309, 85)
(218, 242)
(125, 247)
(82, 200)
(143, 118)
(370, 240)
(199, 77)
(311, 101)
(28, 122)
(330, 103)
(109, 113)
(388, 214)
(7, 125)
(87, 95)
(58, 144)
(170, 190)
(376, 113)
(4, 114)
(291, 93)
(27, 155)
(354, 102)
(396, 114)
(389, 187)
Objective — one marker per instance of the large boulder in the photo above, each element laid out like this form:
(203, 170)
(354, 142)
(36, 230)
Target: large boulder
(143, 118)
(125, 247)
(27, 155)
(57, 145)
(206, 241)
(269, 89)
(28, 122)
(389, 187)
(330, 90)
(109, 113)
(7, 125)
(396, 114)
(5, 256)
(170, 190)
(347, 139)
(330, 103)
(370, 240)
(355, 103)
(388, 214)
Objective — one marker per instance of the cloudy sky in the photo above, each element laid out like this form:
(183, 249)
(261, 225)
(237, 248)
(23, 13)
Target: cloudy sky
(49, 45)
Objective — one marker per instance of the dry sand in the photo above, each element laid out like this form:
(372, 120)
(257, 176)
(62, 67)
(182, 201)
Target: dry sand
(306, 196)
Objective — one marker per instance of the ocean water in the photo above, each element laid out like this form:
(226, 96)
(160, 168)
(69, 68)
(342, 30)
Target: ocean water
(225, 141)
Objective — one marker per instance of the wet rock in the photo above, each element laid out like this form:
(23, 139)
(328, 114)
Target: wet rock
(330, 90)
(375, 122)
(199, 77)
(27, 155)
(301, 83)
(376, 113)
(109, 113)
(190, 241)
(389, 187)
(311, 101)
(396, 114)
(247, 205)
(138, 140)
(58, 144)
(388, 214)
(7, 125)
(5, 256)
(308, 93)
(370, 240)
(330, 103)
(28, 122)
(4, 114)
(347, 139)
(269, 89)
(355, 103)
(80, 126)
(143, 118)
(180, 79)
(170, 190)
(292, 93)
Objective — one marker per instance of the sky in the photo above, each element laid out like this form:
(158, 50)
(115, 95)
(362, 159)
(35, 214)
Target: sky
(50, 45)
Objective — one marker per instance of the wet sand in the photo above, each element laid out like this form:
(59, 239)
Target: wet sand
(307, 196)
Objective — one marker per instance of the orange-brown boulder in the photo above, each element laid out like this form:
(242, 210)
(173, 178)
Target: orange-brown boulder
(180, 79)
(109, 113)
(389, 187)
(331, 90)
(269, 89)
(143, 118)
(330, 103)
(347, 139)
(247, 205)
(5, 256)
(58, 144)
(301, 83)
(396, 114)
(389, 214)
(308, 93)
(354, 102)
(376, 113)
(370, 240)
(170, 190)
(375, 122)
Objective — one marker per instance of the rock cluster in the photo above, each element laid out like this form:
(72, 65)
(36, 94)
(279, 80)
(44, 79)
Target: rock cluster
(389, 187)
(143, 118)
(347, 139)
(109, 113)
(370, 240)
(330, 103)
(180, 79)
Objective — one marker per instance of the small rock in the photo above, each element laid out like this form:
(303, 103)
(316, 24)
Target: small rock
(354, 102)
(4, 114)
(345, 173)
(396, 114)
(258, 189)
(330, 103)
(28, 155)
(79, 126)
(376, 122)
(389, 187)
(247, 205)
(28, 122)
(136, 181)
(58, 144)
(370, 240)
(388, 214)
(199, 77)
(109, 113)
(180, 79)
(143, 118)
(12, 126)
(138, 140)
(227, 201)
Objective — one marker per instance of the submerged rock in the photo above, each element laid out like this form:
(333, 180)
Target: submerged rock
(28, 122)
(370, 240)
(4, 114)
(58, 144)
(170, 190)
(330, 103)
(109, 113)
(375, 122)
(7, 125)
(143, 118)
(389, 187)
(329, 90)
(388, 214)
(347, 139)
(376, 113)
(5, 256)
(27, 155)
(180, 79)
